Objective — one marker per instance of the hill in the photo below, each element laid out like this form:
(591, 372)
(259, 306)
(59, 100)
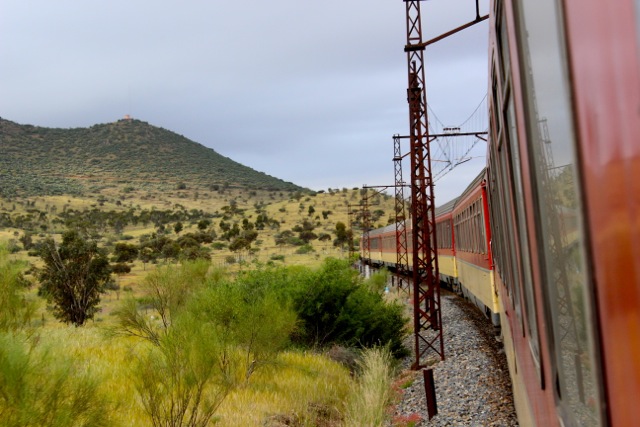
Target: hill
(38, 161)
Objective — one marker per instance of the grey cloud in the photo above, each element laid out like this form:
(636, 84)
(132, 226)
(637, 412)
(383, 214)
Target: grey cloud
(310, 92)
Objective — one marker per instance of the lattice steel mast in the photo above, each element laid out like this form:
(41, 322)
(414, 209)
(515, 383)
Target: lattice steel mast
(426, 283)
(402, 258)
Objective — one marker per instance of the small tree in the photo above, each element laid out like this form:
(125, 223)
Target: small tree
(203, 224)
(73, 277)
(146, 254)
(342, 235)
(125, 252)
(27, 240)
(178, 227)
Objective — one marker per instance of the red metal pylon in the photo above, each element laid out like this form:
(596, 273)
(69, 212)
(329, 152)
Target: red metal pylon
(426, 283)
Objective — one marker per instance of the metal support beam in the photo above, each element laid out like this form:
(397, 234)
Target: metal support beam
(402, 258)
(366, 225)
(426, 283)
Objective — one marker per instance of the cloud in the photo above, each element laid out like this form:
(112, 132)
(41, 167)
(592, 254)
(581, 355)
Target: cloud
(310, 92)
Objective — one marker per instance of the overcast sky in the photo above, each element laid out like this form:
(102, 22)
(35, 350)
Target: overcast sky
(307, 91)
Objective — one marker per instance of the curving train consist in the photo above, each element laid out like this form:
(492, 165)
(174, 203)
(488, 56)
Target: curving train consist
(546, 240)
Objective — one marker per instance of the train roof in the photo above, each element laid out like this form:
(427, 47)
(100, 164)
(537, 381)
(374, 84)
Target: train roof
(440, 210)
(474, 184)
(447, 207)
(386, 229)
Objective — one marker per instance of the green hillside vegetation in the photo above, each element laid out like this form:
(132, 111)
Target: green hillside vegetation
(191, 256)
(236, 227)
(128, 154)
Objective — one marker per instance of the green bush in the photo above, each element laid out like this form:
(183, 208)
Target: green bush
(39, 388)
(305, 249)
(16, 309)
(214, 334)
(335, 306)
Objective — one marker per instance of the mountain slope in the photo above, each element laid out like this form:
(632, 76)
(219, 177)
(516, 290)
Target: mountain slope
(43, 161)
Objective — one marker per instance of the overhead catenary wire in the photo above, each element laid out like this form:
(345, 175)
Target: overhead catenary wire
(451, 151)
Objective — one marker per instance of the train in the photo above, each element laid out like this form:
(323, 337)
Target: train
(546, 239)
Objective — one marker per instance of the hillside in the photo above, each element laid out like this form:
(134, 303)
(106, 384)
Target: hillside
(50, 161)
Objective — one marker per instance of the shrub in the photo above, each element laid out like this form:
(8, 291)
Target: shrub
(16, 310)
(305, 249)
(378, 280)
(217, 337)
(334, 306)
(39, 388)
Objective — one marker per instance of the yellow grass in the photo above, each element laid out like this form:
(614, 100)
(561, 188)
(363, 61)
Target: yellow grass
(296, 381)
(294, 385)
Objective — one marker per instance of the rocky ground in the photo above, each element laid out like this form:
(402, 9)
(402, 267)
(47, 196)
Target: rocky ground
(473, 387)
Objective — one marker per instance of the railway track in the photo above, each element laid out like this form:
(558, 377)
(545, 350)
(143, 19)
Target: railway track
(473, 387)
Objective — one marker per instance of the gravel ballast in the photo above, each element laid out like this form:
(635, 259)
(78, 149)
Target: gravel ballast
(473, 387)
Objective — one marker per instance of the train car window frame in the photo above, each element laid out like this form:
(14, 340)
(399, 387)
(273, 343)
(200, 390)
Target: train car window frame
(526, 279)
(548, 89)
(509, 236)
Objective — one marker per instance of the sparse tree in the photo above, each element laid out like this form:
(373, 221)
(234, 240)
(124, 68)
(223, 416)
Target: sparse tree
(203, 224)
(342, 235)
(73, 277)
(27, 240)
(146, 254)
(125, 252)
(178, 227)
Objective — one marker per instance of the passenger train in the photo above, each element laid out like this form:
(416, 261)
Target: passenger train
(546, 240)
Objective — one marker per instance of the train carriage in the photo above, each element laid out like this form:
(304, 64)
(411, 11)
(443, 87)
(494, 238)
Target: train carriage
(564, 192)
(474, 265)
(446, 248)
(561, 193)
(382, 246)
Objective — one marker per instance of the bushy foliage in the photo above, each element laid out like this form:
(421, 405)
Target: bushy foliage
(73, 277)
(16, 310)
(335, 306)
(37, 386)
(212, 335)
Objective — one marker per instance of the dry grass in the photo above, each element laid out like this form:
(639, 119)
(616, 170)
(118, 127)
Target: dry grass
(295, 384)
(293, 387)
(300, 385)
(372, 393)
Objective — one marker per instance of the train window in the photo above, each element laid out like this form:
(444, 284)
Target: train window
(527, 282)
(504, 47)
(551, 143)
(476, 230)
(472, 224)
(495, 121)
(507, 243)
(482, 228)
(498, 225)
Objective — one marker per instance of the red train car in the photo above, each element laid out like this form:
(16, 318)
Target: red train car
(563, 191)
(474, 264)
(463, 247)
(446, 245)
(564, 195)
